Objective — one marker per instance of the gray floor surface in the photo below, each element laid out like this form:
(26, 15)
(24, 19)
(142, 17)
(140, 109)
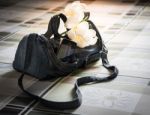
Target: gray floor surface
(125, 29)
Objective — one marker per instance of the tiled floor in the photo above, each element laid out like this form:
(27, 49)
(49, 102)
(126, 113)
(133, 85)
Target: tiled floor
(125, 28)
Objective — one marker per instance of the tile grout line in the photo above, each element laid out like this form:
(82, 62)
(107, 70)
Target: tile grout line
(29, 107)
(122, 28)
(42, 13)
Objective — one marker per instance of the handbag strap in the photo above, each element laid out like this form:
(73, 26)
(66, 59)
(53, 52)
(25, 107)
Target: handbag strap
(77, 97)
(77, 100)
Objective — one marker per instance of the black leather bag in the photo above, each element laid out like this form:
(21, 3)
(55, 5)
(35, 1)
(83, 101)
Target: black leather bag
(45, 58)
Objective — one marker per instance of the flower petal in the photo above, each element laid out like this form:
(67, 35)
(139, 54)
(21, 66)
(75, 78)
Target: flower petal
(74, 13)
(71, 35)
(82, 35)
(82, 28)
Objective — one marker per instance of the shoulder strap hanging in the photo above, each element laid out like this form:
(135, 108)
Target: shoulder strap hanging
(77, 97)
(77, 100)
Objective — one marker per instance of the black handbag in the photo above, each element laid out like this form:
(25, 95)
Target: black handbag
(45, 58)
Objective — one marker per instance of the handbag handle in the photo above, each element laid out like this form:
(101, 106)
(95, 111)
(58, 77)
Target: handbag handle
(55, 22)
(54, 25)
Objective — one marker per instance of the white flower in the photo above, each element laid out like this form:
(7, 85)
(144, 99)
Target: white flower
(74, 13)
(82, 35)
